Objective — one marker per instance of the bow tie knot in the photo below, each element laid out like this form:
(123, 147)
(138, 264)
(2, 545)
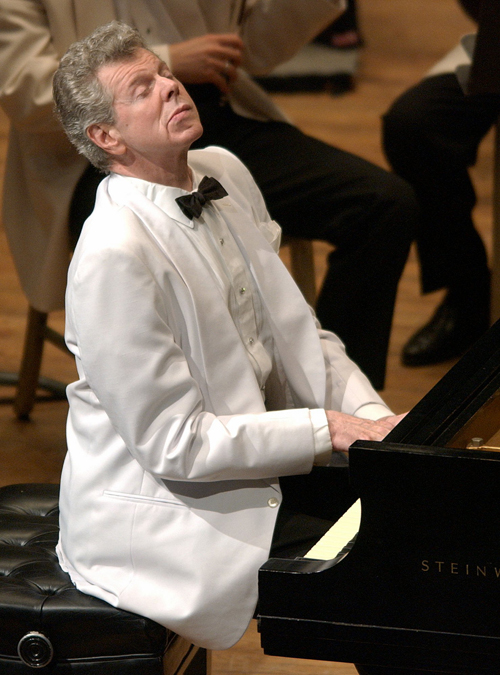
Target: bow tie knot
(199, 197)
(209, 189)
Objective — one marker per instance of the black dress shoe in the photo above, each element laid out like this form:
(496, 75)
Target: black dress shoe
(450, 332)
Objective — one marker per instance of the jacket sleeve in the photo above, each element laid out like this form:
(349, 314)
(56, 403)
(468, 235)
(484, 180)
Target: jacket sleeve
(122, 333)
(348, 388)
(274, 30)
(28, 61)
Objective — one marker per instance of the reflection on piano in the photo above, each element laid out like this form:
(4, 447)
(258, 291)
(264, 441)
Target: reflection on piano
(419, 587)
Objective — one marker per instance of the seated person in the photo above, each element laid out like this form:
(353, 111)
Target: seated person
(203, 374)
(431, 136)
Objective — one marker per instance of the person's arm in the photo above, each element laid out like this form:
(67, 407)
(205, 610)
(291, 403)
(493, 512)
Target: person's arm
(334, 433)
(140, 376)
(210, 59)
(274, 31)
(28, 61)
(345, 429)
(270, 33)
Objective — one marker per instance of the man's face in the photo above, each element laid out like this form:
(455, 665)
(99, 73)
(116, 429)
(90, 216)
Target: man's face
(154, 115)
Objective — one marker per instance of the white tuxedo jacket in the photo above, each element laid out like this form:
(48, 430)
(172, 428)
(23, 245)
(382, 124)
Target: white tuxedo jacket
(42, 168)
(169, 489)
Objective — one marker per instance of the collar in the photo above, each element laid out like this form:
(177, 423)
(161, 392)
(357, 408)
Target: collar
(164, 196)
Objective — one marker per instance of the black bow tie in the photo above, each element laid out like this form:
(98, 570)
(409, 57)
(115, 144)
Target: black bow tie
(209, 188)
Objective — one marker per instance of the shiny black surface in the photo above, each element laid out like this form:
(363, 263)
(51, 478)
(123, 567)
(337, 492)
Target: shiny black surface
(420, 588)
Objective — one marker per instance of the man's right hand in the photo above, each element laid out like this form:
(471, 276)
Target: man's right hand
(345, 429)
(207, 59)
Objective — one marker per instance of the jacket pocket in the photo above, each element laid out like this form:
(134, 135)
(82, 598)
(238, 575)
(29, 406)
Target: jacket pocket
(143, 499)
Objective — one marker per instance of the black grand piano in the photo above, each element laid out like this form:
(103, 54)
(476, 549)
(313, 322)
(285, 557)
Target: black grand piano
(420, 586)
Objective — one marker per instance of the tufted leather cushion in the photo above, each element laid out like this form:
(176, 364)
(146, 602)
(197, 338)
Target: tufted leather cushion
(87, 635)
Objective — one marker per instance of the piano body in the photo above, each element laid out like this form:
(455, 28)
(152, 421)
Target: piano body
(420, 586)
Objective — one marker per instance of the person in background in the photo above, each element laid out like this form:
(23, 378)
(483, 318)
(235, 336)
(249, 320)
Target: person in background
(431, 135)
(314, 190)
(203, 373)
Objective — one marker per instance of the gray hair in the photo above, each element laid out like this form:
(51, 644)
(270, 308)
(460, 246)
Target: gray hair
(80, 98)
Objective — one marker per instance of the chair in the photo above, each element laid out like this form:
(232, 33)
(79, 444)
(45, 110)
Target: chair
(48, 625)
(302, 266)
(28, 380)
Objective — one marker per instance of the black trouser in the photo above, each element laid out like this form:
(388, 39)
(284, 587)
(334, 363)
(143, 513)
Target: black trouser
(431, 135)
(316, 191)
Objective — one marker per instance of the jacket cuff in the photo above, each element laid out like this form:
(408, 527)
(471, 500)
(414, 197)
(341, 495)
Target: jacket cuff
(322, 439)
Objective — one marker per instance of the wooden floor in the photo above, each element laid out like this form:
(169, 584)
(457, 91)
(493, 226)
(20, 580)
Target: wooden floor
(403, 39)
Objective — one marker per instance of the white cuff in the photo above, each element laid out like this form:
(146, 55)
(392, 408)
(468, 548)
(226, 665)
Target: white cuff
(322, 439)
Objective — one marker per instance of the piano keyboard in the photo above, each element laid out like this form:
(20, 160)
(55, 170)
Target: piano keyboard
(338, 536)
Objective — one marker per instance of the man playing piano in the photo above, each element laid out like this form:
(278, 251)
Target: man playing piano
(203, 374)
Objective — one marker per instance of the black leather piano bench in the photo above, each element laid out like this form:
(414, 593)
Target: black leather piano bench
(48, 626)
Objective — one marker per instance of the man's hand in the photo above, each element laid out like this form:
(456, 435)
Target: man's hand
(207, 59)
(345, 429)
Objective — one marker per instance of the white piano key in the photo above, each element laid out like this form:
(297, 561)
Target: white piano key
(338, 536)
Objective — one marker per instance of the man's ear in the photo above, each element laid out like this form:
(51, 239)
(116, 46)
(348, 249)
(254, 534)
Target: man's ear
(107, 138)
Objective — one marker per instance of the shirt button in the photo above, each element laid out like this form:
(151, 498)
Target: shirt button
(243, 290)
(250, 341)
(273, 502)
(221, 241)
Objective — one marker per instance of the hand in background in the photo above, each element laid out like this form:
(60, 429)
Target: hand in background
(207, 59)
